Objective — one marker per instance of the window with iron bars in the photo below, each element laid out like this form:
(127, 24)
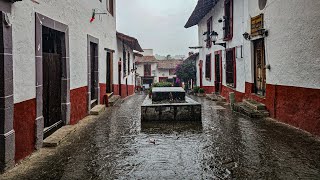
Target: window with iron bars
(230, 68)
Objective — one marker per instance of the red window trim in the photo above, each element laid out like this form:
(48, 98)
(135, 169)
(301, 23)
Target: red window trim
(220, 65)
(144, 70)
(229, 36)
(209, 29)
(200, 72)
(234, 67)
(210, 70)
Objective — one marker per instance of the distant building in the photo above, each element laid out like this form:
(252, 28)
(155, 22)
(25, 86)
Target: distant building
(151, 70)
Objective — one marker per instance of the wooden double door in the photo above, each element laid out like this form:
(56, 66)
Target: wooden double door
(259, 68)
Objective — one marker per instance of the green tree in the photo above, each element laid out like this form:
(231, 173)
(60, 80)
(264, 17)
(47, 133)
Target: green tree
(186, 71)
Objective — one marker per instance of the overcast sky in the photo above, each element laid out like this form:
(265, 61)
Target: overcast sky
(158, 24)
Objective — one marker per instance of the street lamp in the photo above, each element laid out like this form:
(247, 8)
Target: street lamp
(214, 36)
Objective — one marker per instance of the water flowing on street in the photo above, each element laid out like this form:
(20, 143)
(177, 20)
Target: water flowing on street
(223, 146)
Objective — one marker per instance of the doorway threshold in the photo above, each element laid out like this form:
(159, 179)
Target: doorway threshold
(51, 129)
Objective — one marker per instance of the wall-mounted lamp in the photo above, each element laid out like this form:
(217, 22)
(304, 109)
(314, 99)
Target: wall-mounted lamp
(246, 36)
(214, 36)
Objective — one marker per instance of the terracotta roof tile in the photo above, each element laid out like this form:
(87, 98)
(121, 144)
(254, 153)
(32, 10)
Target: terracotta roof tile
(130, 41)
(169, 64)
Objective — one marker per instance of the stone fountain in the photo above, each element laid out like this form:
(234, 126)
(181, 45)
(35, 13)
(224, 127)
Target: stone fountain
(170, 104)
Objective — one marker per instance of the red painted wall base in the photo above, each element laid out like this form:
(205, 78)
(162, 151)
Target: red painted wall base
(24, 127)
(297, 106)
(208, 89)
(79, 104)
(103, 92)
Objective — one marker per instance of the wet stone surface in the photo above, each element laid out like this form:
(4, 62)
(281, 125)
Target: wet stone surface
(223, 146)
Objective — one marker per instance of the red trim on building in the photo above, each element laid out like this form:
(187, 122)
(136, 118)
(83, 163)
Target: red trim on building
(24, 126)
(79, 104)
(201, 72)
(226, 90)
(103, 92)
(296, 106)
(131, 89)
(209, 89)
(116, 89)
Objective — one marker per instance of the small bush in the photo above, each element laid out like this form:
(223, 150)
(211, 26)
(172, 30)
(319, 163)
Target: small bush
(201, 90)
(196, 89)
(162, 84)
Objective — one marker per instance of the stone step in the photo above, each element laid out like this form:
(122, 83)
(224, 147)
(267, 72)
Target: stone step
(242, 108)
(254, 104)
(113, 100)
(98, 109)
(55, 139)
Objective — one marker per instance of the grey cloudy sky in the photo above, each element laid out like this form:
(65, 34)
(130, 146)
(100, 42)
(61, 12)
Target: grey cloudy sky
(158, 24)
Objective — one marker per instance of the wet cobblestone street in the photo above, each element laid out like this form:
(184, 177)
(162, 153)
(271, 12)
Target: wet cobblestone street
(223, 146)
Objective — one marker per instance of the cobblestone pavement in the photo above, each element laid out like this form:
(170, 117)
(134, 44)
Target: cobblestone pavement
(223, 146)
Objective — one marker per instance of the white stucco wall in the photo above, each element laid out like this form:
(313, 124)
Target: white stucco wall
(154, 70)
(237, 41)
(130, 76)
(292, 47)
(75, 14)
(147, 52)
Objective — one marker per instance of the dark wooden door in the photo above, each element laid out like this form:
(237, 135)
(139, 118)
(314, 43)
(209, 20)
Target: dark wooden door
(94, 80)
(259, 67)
(109, 82)
(218, 82)
(51, 89)
(119, 78)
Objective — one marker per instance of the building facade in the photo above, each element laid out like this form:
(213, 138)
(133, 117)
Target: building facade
(124, 81)
(151, 70)
(262, 50)
(53, 68)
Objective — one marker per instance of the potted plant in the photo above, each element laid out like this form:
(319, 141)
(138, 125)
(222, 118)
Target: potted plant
(201, 92)
(196, 90)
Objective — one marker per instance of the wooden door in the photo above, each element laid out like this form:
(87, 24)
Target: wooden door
(119, 78)
(259, 67)
(93, 74)
(51, 89)
(109, 73)
(218, 82)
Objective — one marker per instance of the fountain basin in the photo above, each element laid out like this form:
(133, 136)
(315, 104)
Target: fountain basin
(189, 110)
(174, 94)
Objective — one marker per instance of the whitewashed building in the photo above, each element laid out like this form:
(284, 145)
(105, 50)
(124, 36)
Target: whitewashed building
(151, 70)
(263, 50)
(125, 71)
(53, 68)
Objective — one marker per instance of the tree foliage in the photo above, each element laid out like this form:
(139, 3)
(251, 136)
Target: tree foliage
(186, 71)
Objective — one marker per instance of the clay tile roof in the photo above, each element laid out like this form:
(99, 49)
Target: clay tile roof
(130, 41)
(202, 9)
(169, 64)
(192, 57)
(147, 59)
